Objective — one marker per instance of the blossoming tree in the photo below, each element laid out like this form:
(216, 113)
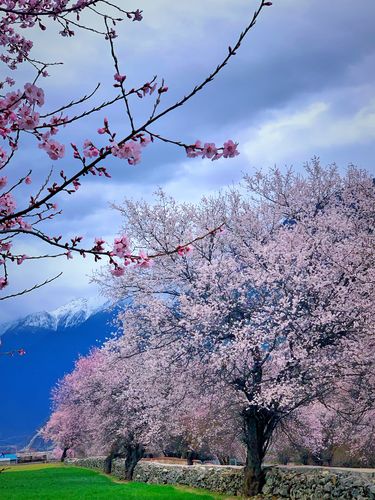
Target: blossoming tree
(24, 117)
(118, 405)
(112, 419)
(278, 307)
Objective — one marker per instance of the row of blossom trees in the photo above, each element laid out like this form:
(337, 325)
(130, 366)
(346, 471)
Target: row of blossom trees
(246, 329)
(119, 406)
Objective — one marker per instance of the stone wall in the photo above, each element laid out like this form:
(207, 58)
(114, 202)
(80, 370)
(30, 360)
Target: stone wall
(96, 463)
(300, 483)
(215, 478)
(319, 484)
(118, 468)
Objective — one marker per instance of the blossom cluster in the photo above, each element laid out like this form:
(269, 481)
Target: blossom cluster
(130, 151)
(211, 151)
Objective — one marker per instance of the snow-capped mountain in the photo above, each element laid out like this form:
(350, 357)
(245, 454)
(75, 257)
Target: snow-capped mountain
(75, 312)
(53, 341)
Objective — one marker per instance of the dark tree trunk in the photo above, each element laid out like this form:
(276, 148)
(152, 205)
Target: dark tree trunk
(189, 457)
(304, 456)
(327, 458)
(258, 427)
(113, 453)
(108, 463)
(254, 476)
(133, 456)
(64, 453)
(223, 459)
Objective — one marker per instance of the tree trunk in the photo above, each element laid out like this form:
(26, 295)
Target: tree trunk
(64, 453)
(108, 464)
(133, 456)
(189, 457)
(254, 430)
(223, 459)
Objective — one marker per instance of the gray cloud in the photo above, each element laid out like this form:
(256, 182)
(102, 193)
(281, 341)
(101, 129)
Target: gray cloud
(303, 54)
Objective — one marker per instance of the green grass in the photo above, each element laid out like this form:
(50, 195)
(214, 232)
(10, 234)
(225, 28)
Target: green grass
(50, 481)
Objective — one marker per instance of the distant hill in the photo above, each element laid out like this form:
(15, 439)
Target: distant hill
(52, 341)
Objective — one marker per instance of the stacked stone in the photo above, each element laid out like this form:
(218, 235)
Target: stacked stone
(96, 463)
(281, 482)
(228, 480)
(318, 484)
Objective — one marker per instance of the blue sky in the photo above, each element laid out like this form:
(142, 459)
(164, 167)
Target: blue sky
(301, 85)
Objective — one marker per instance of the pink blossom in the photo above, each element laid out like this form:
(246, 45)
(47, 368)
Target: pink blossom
(118, 271)
(11, 100)
(99, 245)
(183, 250)
(28, 180)
(121, 246)
(54, 149)
(27, 118)
(209, 150)
(119, 78)
(90, 151)
(34, 94)
(3, 158)
(148, 88)
(3, 182)
(7, 203)
(21, 259)
(194, 150)
(230, 149)
(144, 141)
(144, 261)
(23, 224)
(3, 283)
(5, 247)
(130, 150)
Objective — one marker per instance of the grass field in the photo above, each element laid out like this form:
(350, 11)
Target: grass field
(50, 481)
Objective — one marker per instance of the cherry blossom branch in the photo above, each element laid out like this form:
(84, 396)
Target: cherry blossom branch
(106, 153)
(56, 11)
(28, 290)
(95, 109)
(71, 104)
(118, 77)
(210, 78)
(109, 253)
(20, 113)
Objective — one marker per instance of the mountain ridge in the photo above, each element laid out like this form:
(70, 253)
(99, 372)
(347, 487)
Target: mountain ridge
(53, 341)
(74, 312)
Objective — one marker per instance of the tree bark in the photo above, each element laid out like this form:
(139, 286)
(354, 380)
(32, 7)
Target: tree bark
(108, 463)
(189, 457)
(64, 453)
(254, 431)
(133, 456)
(223, 459)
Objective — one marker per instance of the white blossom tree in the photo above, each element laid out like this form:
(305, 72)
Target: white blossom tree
(278, 307)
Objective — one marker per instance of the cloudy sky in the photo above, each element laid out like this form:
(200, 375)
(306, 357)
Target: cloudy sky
(301, 85)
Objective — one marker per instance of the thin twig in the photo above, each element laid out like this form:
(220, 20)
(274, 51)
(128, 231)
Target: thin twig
(35, 287)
